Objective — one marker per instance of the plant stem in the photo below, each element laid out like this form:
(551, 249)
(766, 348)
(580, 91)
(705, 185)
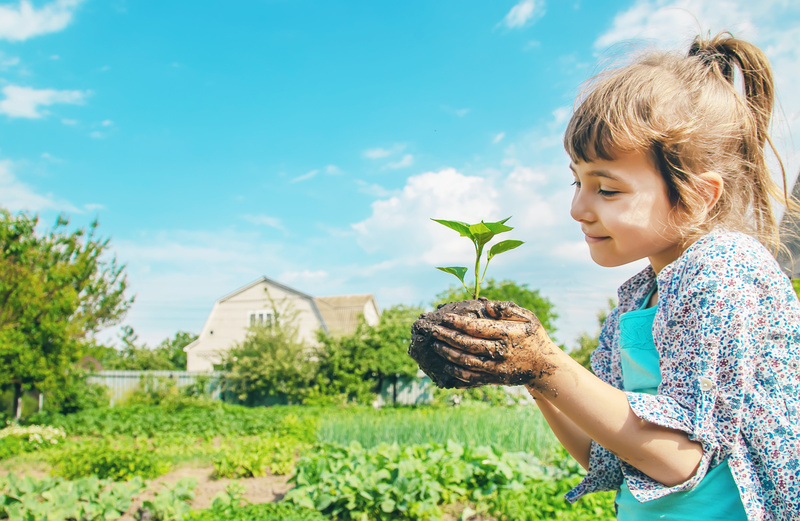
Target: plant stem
(479, 251)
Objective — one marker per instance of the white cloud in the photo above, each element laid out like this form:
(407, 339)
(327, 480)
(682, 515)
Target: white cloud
(107, 123)
(524, 13)
(265, 220)
(305, 278)
(25, 102)
(21, 22)
(498, 138)
(380, 153)
(93, 207)
(456, 112)
(673, 25)
(305, 177)
(17, 196)
(406, 161)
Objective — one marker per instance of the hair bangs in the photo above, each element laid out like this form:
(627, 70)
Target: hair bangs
(615, 115)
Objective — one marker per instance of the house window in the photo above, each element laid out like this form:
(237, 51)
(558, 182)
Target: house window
(262, 318)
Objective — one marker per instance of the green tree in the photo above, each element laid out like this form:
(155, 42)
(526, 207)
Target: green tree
(57, 289)
(520, 294)
(271, 363)
(588, 343)
(134, 356)
(355, 366)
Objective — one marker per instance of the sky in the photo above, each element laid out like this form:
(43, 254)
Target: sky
(312, 141)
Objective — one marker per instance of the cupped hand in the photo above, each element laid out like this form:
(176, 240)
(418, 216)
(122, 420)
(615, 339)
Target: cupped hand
(512, 348)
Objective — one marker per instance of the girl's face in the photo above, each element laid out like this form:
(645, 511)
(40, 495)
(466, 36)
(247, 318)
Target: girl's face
(623, 208)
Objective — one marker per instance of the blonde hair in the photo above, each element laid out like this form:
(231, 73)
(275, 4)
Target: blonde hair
(688, 115)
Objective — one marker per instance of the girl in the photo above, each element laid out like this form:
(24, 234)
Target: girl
(692, 410)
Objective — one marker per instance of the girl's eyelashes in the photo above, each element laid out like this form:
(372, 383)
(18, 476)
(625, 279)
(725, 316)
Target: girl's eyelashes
(600, 191)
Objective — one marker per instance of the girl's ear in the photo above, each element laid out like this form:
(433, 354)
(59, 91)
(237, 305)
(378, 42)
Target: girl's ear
(711, 188)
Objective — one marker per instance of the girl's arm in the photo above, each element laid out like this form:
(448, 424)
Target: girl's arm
(572, 437)
(523, 354)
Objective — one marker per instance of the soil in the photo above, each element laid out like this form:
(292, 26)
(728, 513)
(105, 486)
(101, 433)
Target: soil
(421, 348)
(531, 364)
(265, 489)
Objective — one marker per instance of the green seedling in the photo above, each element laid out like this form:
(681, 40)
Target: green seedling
(480, 234)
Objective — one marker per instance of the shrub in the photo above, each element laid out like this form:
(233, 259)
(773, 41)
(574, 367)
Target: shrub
(169, 504)
(54, 499)
(391, 482)
(260, 512)
(104, 460)
(254, 457)
(15, 439)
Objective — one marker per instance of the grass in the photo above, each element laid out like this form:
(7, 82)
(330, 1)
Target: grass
(509, 429)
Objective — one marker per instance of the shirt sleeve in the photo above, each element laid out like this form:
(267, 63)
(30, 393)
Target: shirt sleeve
(706, 332)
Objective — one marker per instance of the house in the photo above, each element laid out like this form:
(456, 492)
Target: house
(256, 303)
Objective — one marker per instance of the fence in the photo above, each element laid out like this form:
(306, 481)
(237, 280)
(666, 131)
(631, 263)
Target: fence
(122, 383)
(403, 391)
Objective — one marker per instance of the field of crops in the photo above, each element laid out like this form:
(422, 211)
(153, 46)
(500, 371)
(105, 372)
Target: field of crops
(212, 461)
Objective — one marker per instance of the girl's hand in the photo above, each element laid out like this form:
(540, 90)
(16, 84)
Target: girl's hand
(512, 348)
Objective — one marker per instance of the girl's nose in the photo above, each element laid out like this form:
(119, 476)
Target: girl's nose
(580, 209)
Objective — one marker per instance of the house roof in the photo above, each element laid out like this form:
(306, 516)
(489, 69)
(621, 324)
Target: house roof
(341, 313)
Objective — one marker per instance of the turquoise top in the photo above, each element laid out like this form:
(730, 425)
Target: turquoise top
(716, 497)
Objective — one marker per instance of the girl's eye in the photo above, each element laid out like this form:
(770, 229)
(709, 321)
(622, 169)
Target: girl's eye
(607, 193)
(576, 184)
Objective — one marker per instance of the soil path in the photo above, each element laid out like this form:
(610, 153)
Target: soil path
(266, 489)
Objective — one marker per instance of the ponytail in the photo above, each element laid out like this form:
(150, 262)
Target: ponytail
(726, 55)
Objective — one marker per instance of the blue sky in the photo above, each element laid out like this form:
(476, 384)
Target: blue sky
(311, 141)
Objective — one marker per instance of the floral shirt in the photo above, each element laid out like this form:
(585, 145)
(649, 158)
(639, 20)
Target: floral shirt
(727, 331)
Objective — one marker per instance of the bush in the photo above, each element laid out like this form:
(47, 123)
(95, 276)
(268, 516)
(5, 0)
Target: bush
(259, 512)
(87, 499)
(169, 504)
(103, 460)
(256, 457)
(391, 482)
(15, 439)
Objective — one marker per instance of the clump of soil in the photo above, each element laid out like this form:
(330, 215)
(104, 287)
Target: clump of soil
(421, 348)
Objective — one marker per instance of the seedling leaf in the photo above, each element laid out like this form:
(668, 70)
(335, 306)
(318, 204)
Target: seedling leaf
(462, 228)
(481, 234)
(503, 246)
(498, 227)
(458, 271)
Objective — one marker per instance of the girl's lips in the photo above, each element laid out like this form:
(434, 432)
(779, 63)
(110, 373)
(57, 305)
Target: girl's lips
(590, 239)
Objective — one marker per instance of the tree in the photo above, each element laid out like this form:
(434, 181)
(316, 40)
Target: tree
(166, 356)
(520, 294)
(355, 366)
(271, 362)
(588, 343)
(57, 289)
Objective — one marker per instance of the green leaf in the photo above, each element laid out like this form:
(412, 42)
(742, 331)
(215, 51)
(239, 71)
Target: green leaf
(458, 271)
(504, 246)
(460, 227)
(481, 233)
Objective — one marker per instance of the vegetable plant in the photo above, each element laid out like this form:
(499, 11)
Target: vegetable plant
(480, 234)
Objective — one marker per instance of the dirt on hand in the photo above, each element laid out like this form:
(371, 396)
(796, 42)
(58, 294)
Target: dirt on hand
(421, 348)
